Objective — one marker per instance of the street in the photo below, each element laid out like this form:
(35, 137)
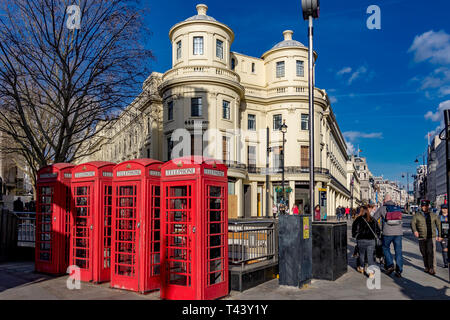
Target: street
(18, 281)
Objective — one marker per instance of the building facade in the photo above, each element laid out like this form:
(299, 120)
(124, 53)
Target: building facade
(221, 104)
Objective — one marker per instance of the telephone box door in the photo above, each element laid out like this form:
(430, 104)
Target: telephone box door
(216, 241)
(127, 228)
(180, 241)
(82, 235)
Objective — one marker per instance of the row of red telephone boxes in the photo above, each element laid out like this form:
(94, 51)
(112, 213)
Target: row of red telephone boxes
(141, 224)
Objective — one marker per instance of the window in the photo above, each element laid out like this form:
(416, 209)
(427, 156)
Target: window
(226, 109)
(225, 149)
(253, 67)
(280, 69)
(251, 158)
(276, 157)
(305, 122)
(170, 111)
(219, 49)
(179, 50)
(304, 156)
(251, 124)
(196, 107)
(233, 64)
(277, 122)
(198, 45)
(300, 69)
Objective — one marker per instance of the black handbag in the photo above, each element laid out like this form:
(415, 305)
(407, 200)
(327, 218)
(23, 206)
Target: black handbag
(378, 244)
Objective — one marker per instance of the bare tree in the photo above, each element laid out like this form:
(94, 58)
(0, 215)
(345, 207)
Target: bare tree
(60, 85)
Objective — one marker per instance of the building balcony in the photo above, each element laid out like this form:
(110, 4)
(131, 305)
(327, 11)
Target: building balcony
(200, 71)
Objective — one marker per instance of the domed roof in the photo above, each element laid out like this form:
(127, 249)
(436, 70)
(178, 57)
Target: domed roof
(288, 41)
(201, 14)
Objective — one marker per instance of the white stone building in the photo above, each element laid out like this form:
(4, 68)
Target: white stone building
(225, 100)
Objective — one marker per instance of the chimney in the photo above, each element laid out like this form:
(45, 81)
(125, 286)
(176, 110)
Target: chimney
(288, 34)
(201, 9)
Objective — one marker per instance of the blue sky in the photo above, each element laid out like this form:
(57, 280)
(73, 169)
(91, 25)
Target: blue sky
(388, 86)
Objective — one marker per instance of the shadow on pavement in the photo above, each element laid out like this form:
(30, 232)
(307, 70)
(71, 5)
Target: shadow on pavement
(416, 291)
(17, 274)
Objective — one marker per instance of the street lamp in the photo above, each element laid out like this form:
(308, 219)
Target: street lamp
(283, 131)
(311, 10)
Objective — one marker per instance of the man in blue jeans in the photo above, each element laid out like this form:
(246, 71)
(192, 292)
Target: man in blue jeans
(392, 233)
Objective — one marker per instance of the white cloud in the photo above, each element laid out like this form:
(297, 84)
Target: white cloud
(353, 135)
(350, 148)
(432, 46)
(344, 71)
(333, 99)
(439, 114)
(437, 78)
(355, 75)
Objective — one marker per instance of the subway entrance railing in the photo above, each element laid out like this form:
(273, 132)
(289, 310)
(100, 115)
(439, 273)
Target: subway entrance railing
(252, 241)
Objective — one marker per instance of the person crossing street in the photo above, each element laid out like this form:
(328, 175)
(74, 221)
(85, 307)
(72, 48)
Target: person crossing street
(427, 228)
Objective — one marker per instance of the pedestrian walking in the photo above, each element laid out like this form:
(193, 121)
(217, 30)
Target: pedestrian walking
(274, 210)
(338, 213)
(392, 233)
(347, 212)
(317, 213)
(365, 230)
(443, 217)
(295, 209)
(424, 225)
(18, 205)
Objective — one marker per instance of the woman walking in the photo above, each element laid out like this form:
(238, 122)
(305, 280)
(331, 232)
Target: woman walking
(317, 213)
(365, 230)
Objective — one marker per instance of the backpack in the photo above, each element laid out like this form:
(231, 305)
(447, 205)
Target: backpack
(393, 215)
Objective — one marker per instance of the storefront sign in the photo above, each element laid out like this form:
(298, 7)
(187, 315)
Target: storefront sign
(128, 173)
(85, 174)
(216, 173)
(179, 172)
(305, 228)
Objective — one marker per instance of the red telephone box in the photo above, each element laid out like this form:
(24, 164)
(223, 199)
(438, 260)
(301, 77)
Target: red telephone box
(53, 218)
(194, 255)
(90, 247)
(136, 242)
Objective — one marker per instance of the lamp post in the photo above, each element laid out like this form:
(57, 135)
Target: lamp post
(283, 130)
(311, 10)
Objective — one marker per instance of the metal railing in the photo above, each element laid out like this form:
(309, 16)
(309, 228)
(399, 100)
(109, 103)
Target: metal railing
(26, 229)
(252, 241)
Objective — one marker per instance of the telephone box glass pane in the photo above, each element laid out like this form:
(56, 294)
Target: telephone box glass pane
(126, 215)
(80, 240)
(107, 227)
(215, 234)
(44, 222)
(178, 251)
(156, 229)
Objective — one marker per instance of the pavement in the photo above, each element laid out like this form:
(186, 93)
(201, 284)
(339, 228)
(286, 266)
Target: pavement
(19, 281)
